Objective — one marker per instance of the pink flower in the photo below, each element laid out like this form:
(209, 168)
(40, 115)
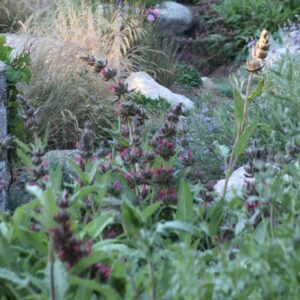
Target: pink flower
(150, 18)
(151, 14)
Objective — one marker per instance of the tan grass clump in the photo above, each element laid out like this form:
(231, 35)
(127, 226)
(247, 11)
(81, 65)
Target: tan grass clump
(60, 81)
(12, 12)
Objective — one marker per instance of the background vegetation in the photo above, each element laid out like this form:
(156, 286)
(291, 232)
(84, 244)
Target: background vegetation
(131, 209)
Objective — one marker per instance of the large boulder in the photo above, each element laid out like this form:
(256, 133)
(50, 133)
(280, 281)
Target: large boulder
(143, 83)
(174, 17)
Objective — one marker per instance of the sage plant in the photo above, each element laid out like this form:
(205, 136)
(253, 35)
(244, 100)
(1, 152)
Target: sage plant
(241, 104)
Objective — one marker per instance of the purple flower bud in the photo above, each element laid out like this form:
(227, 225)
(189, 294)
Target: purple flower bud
(168, 196)
(103, 270)
(163, 176)
(108, 73)
(187, 158)
(115, 188)
(131, 155)
(119, 89)
(164, 148)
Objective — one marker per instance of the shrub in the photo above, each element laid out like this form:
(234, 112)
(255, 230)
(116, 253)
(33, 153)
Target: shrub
(188, 76)
(243, 16)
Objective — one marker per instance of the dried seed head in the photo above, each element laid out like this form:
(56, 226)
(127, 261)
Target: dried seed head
(254, 66)
(263, 42)
(259, 52)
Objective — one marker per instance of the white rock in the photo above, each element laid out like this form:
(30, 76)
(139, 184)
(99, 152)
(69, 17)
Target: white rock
(207, 83)
(175, 17)
(146, 85)
(235, 184)
(290, 45)
(19, 42)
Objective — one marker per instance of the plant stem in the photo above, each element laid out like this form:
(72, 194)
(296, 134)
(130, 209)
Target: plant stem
(272, 220)
(52, 284)
(153, 292)
(240, 130)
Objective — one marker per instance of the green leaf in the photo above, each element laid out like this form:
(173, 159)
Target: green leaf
(96, 227)
(104, 290)
(60, 279)
(90, 260)
(7, 256)
(25, 159)
(240, 147)
(85, 191)
(22, 145)
(238, 105)
(185, 204)
(151, 209)
(223, 150)
(83, 177)
(2, 40)
(48, 202)
(93, 172)
(162, 228)
(240, 226)
(133, 219)
(266, 127)
(257, 92)
(110, 246)
(13, 277)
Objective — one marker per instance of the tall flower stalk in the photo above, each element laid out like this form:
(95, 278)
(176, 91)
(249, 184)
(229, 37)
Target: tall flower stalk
(244, 131)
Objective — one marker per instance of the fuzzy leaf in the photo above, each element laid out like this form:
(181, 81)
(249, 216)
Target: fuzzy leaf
(104, 290)
(151, 209)
(257, 92)
(240, 147)
(176, 226)
(133, 219)
(185, 204)
(238, 105)
(13, 277)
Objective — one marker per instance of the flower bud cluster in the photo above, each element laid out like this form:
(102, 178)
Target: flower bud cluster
(101, 271)
(28, 114)
(70, 250)
(39, 172)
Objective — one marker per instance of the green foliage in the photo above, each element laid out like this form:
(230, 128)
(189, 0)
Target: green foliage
(244, 16)
(18, 71)
(147, 260)
(158, 106)
(188, 76)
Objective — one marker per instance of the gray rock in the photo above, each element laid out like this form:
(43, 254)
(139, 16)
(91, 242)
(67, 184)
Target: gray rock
(175, 17)
(146, 85)
(207, 83)
(3, 135)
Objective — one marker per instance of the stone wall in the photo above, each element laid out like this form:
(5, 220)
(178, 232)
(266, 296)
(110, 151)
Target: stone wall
(3, 134)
